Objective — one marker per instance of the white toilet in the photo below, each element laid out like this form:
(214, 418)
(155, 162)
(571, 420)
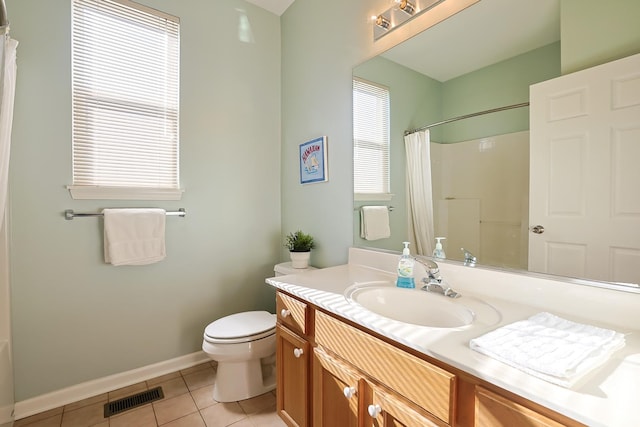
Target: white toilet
(241, 344)
(244, 345)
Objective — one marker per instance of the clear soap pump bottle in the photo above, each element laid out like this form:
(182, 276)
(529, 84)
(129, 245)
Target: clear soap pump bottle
(405, 269)
(438, 252)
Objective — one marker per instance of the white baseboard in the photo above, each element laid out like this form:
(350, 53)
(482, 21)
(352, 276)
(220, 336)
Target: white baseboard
(74, 393)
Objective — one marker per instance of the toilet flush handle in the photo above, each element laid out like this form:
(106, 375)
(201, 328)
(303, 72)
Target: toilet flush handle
(297, 352)
(284, 312)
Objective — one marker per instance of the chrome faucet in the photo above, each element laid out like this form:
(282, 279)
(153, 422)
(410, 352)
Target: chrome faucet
(469, 259)
(433, 282)
(432, 269)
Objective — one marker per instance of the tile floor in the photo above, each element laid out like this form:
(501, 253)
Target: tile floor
(188, 402)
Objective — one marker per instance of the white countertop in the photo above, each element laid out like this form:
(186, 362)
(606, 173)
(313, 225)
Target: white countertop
(608, 396)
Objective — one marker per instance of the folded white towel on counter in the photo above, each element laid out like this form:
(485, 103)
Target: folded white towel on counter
(134, 236)
(374, 222)
(549, 347)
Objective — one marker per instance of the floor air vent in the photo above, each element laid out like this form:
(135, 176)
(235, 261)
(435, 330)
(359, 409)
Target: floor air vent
(132, 401)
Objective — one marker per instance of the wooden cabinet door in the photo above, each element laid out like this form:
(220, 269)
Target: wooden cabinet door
(388, 410)
(292, 364)
(336, 392)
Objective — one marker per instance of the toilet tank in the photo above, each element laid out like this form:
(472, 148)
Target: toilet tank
(285, 268)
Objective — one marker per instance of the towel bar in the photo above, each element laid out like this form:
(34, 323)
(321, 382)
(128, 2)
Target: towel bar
(69, 214)
(388, 207)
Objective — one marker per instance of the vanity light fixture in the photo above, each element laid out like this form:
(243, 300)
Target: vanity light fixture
(401, 12)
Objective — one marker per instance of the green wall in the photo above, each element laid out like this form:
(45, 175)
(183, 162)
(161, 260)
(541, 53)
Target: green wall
(498, 85)
(317, 59)
(74, 317)
(594, 32)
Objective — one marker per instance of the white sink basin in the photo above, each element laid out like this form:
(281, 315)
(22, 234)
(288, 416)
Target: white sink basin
(416, 306)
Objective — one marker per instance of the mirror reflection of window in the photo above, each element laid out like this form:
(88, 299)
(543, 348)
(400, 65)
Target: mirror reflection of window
(370, 140)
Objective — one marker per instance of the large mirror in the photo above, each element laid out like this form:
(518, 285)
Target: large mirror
(484, 58)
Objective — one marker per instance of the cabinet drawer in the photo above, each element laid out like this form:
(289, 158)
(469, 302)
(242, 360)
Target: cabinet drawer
(395, 412)
(292, 313)
(426, 385)
(496, 411)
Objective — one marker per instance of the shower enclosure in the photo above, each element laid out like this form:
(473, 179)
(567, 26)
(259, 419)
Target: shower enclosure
(6, 113)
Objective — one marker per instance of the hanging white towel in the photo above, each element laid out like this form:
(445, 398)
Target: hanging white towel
(549, 347)
(374, 222)
(134, 236)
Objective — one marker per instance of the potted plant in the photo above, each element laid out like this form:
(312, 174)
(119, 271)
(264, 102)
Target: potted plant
(299, 245)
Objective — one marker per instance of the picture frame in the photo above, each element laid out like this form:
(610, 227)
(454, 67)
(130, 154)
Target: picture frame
(313, 161)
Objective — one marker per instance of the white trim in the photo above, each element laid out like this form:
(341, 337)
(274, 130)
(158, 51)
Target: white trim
(77, 392)
(363, 197)
(84, 192)
(149, 10)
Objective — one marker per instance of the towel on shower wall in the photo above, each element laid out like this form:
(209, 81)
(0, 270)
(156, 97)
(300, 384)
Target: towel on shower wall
(549, 347)
(374, 222)
(134, 236)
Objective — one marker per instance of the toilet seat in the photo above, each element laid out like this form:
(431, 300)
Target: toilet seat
(241, 327)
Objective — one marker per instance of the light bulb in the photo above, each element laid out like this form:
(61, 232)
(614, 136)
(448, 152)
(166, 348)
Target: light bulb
(406, 6)
(382, 22)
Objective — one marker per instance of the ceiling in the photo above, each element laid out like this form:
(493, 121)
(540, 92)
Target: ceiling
(274, 6)
(487, 32)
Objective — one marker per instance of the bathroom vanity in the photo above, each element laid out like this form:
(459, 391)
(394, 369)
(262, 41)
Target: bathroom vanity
(341, 364)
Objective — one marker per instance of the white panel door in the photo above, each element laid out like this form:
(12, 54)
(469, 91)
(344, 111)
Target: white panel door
(585, 173)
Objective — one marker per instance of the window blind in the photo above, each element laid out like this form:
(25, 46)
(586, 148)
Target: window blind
(371, 138)
(125, 83)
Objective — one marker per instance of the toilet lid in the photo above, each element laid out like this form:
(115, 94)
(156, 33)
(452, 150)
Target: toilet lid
(241, 325)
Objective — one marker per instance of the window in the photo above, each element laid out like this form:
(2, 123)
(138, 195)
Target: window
(370, 141)
(125, 91)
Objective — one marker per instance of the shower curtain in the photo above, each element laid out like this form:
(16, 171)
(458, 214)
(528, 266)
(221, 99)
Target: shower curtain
(8, 73)
(6, 118)
(419, 197)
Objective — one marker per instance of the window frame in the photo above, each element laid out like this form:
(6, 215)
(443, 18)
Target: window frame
(375, 89)
(87, 102)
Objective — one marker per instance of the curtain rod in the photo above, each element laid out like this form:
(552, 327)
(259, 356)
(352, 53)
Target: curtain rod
(466, 116)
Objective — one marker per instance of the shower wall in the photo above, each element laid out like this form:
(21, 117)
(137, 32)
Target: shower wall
(481, 198)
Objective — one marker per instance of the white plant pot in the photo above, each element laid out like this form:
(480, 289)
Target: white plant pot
(300, 259)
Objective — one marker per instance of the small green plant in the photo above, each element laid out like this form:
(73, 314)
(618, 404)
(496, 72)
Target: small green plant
(299, 242)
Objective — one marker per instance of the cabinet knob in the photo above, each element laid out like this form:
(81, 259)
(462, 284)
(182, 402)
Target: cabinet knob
(374, 410)
(349, 392)
(284, 312)
(297, 352)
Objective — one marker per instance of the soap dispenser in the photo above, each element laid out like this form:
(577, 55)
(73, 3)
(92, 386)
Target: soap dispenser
(438, 252)
(405, 269)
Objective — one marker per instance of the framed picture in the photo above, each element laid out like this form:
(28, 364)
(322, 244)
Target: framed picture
(313, 161)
